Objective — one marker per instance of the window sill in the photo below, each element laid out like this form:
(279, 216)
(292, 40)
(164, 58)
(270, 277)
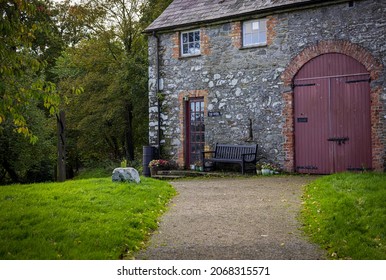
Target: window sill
(189, 56)
(254, 46)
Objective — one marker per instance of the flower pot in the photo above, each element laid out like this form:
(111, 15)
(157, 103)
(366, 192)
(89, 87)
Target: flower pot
(192, 167)
(266, 172)
(199, 167)
(154, 171)
(258, 171)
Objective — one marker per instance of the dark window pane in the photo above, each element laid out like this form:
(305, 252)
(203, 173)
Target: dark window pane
(197, 35)
(185, 49)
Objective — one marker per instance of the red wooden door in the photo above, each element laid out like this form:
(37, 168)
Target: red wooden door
(311, 107)
(350, 119)
(332, 116)
(195, 130)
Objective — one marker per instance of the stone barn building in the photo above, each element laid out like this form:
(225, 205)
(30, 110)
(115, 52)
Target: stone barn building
(305, 80)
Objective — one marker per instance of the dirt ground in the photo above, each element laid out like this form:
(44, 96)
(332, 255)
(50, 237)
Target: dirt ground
(233, 218)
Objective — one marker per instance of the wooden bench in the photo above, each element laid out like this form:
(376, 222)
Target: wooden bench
(226, 153)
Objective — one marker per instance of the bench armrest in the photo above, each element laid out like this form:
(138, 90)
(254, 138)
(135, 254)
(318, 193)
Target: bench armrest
(249, 154)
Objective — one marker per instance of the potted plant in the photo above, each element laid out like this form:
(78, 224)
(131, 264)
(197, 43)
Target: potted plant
(198, 166)
(266, 169)
(258, 168)
(158, 164)
(269, 169)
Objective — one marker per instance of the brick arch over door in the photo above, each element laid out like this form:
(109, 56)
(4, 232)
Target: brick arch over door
(373, 67)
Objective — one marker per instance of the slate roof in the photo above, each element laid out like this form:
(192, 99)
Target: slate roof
(185, 12)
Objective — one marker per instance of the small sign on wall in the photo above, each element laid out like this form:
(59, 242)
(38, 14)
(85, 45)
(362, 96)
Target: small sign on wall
(214, 114)
(302, 120)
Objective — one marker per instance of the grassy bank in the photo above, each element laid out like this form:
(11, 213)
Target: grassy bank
(346, 215)
(82, 219)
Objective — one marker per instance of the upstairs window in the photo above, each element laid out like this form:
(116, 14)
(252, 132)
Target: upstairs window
(255, 33)
(190, 43)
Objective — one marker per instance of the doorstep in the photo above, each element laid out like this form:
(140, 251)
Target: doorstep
(178, 174)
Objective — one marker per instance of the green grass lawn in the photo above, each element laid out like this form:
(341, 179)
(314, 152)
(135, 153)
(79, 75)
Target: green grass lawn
(79, 219)
(346, 214)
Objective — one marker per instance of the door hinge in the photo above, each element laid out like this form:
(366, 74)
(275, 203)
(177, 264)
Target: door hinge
(303, 85)
(359, 81)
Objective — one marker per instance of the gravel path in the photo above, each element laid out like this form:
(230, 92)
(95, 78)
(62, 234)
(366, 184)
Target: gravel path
(233, 218)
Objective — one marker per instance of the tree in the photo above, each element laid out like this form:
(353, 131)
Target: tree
(94, 116)
(21, 71)
(108, 121)
(27, 97)
(34, 34)
(72, 22)
(20, 160)
(121, 24)
(151, 10)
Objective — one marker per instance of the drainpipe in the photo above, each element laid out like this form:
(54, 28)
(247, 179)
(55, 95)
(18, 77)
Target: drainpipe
(157, 91)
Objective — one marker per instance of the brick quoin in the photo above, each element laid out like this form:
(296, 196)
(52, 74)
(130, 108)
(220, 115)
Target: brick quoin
(271, 33)
(376, 129)
(236, 34)
(205, 45)
(288, 132)
(176, 45)
(373, 67)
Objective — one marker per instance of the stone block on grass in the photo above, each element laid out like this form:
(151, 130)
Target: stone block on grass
(127, 174)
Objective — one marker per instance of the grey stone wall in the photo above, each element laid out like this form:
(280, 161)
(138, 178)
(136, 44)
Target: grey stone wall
(246, 84)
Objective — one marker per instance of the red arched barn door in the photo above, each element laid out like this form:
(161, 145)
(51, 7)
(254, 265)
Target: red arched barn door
(332, 115)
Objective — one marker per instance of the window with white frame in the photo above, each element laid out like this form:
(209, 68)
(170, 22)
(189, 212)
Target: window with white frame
(190, 43)
(255, 32)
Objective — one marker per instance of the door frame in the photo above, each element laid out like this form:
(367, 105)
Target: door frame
(330, 99)
(183, 97)
(188, 131)
(372, 65)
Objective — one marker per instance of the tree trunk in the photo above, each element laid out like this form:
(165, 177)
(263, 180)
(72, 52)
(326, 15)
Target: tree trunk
(61, 125)
(12, 173)
(129, 131)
